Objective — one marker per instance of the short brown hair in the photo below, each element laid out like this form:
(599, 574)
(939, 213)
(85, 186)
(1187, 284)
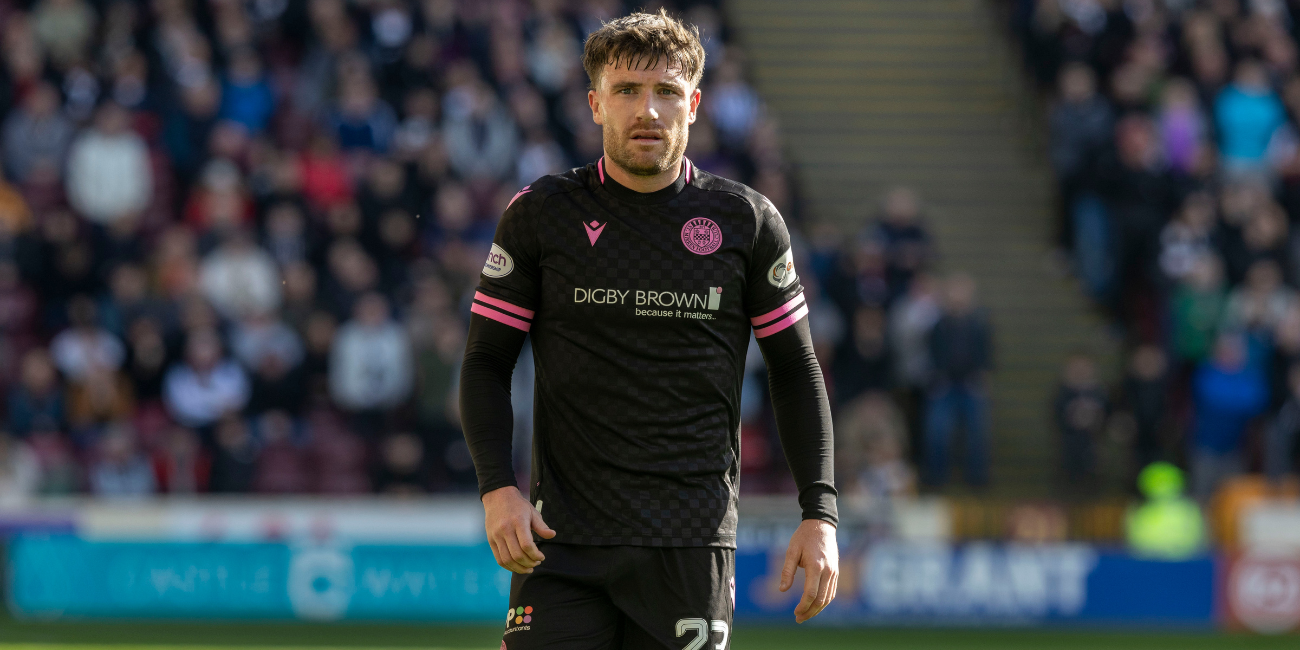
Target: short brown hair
(641, 40)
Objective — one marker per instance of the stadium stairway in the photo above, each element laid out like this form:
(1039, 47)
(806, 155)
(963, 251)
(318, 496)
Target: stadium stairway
(928, 93)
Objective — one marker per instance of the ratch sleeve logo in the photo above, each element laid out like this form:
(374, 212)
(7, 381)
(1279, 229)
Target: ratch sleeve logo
(498, 264)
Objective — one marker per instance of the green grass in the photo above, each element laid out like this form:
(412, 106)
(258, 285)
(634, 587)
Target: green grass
(282, 636)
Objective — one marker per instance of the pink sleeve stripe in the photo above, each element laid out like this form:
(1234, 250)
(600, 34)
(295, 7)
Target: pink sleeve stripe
(503, 305)
(794, 302)
(500, 317)
(516, 196)
(600, 167)
(782, 324)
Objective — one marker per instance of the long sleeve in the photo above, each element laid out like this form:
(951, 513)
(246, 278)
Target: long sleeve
(778, 312)
(486, 416)
(502, 314)
(803, 418)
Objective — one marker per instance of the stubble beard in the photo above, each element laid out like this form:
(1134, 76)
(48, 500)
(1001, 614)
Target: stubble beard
(619, 149)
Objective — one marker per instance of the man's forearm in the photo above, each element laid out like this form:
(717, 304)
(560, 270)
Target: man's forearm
(803, 419)
(486, 415)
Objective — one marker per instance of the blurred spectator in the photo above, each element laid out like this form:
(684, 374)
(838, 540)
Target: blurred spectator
(273, 353)
(234, 464)
(1189, 237)
(1262, 302)
(36, 403)
(205, 386)
(246, 96)
(219, 205)
(404, 469)
(733, 105)
(911, 319)
(871, 455)
(1081, 410)
(85, 347)
(147, 359)
(1248, 114)
(65, 28)
(240, 279)
(1140, 192)
(180, 464)
(1146, 388)
(906, 241)
(1183, 126)
(1230, 391)
(864, 363)
(363, 120)
(370, 363)
(60, 472)
(36, 135)
(1081, 124)
(189, 124)
(479, 133)
(1197, 310)
(281, 465)
(109, 175)
(20, 472)
(1281, 435)
(121, 471)
(961, 349)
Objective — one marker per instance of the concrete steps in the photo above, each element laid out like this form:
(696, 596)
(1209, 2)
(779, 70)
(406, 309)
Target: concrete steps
(876, 93)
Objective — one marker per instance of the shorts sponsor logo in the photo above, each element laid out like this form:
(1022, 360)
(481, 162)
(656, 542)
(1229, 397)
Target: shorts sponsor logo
(518, 619)
(782, 274)
(701, 236)
(499, 264)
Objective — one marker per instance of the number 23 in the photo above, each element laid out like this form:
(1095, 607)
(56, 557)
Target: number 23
(701, 628)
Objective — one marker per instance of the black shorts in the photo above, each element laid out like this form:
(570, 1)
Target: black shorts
(623, 598)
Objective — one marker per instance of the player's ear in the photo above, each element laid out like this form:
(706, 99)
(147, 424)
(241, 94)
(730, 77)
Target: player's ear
(593, 100)
(695, 106)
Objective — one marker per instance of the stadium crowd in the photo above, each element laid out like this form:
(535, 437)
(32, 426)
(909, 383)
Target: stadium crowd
(1174, 140)
(239, 241)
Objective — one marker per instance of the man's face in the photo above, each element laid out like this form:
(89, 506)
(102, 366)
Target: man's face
(644, 115)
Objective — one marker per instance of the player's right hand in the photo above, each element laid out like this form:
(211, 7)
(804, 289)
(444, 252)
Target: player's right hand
(510, 521)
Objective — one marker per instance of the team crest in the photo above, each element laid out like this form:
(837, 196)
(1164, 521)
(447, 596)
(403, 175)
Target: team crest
(701, 236)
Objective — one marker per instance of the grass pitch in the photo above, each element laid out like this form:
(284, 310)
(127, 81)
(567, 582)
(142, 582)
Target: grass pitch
(295, 636)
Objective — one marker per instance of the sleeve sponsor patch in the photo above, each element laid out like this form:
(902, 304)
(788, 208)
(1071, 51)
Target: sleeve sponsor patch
(781, 274)
(499, 263)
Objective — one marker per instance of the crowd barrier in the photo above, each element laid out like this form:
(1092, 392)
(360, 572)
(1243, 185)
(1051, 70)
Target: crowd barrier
(427, 560)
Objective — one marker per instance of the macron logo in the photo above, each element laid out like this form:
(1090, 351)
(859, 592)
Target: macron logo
(593, 233)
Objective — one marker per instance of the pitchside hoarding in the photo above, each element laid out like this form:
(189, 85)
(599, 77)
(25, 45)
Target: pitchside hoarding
(376, 560)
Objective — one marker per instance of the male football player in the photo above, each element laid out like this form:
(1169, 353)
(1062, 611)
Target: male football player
(639, 279)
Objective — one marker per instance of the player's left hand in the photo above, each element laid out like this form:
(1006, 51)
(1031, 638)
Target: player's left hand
(812, 547)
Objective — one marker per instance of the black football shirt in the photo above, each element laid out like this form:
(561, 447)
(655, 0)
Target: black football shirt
(640, 308)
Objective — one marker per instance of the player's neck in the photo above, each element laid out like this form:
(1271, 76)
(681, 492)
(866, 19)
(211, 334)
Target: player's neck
(643, 184)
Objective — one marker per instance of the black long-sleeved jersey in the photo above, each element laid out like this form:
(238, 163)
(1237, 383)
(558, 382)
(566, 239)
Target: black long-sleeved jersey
(640, 307)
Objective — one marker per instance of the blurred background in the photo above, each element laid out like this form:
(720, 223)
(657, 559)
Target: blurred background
(1048, 247)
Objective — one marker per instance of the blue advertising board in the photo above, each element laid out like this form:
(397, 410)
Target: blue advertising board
(895, 583)
(881, 584)
(65, 576)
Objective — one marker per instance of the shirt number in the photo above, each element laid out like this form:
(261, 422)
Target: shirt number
(701, 629)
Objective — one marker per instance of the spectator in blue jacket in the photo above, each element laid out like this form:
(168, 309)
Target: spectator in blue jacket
(1247, 113)
(246, 97)
(1231, 389)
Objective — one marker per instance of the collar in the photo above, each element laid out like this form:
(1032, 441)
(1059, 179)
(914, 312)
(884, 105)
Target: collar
(658, 196)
